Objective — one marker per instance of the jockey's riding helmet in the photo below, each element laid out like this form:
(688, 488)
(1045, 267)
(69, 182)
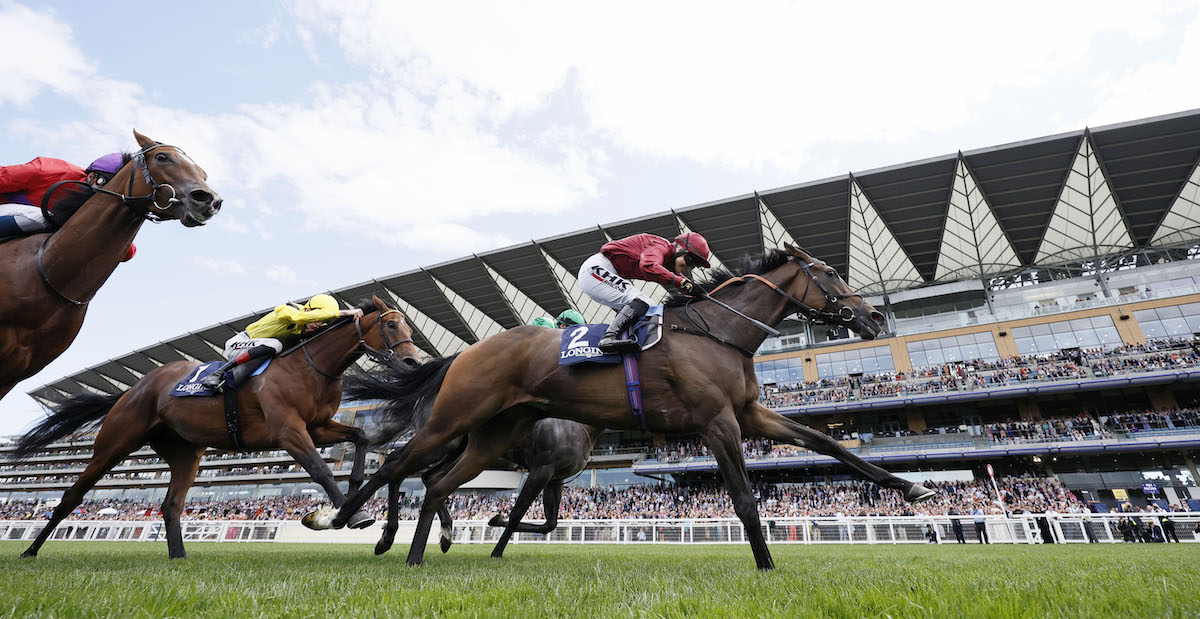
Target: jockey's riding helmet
(322, 301)
(694, 249)
(107, 166)
(568, 318)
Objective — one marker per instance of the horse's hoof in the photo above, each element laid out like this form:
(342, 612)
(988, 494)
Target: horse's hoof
(319, 519)
(382, 546)
(497, 521)
(917, 493)
(29, 554)
(444, 544)
(360, 520)
(415, 562)
(173, 557)
(497, 554)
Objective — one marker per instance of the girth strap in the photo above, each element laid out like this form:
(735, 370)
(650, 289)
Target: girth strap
(233, 421)
(633, 387)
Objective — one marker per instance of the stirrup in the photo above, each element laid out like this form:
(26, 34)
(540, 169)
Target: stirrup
(617, 346)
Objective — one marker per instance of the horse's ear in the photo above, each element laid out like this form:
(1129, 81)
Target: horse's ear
(798, 253)
(142, 140)
(379, 305)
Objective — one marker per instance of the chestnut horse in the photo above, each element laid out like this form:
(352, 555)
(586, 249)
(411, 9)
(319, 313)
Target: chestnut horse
(699, 380)
(289, 406)
(48, 279)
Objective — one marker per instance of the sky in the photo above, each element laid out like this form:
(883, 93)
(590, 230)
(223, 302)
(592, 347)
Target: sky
(354, 139)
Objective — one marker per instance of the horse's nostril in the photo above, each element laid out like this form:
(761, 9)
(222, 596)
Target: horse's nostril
(877, 317)
(411, 362)
(200, 196)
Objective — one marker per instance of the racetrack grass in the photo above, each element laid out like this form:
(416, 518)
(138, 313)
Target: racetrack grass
(72, 579)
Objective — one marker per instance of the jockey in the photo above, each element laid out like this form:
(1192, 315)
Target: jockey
(23, 186)
(604, 277)
(568, 318)
(263, 338)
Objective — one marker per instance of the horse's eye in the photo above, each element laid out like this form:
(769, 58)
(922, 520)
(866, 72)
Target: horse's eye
(162, 157)
(831, 273)
(391, 324)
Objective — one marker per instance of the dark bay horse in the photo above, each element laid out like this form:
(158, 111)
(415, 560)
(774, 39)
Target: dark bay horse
(553, 451)
(696, 381)
(290, 406)
(47, 279)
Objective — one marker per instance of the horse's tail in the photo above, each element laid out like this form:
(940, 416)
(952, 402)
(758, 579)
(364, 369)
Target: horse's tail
(408, 395)
(83, 411)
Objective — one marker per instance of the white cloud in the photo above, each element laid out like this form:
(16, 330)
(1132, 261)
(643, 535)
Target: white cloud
(219, 266)
(285, 275)
(765, 84)
(38, 54)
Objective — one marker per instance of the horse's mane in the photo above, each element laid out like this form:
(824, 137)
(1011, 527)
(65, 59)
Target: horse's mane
(757, 265)
(73, 196)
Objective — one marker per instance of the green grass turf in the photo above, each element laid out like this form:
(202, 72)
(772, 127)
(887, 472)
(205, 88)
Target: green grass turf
(71, 579)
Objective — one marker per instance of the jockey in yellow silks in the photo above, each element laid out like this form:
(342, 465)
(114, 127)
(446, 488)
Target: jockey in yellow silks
(265, 336)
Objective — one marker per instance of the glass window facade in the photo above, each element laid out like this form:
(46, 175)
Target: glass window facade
(781, 371)
(954, 349)
(1169, 322)
(861, 361)
(1094, 332)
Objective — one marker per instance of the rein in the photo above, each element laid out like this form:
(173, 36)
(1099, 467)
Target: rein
(844, 315)
(127, 200)
(382, 356)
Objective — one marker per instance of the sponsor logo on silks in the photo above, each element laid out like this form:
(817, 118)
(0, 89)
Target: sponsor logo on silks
(190, 388)
(610, 279)
(584, 351)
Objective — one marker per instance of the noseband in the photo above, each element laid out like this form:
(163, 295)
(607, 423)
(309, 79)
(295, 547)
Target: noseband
(377, 355)
(388, 352)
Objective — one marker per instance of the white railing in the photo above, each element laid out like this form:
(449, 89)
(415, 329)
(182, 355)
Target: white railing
(1019, 529)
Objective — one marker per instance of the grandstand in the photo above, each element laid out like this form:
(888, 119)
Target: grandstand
(1042, 302)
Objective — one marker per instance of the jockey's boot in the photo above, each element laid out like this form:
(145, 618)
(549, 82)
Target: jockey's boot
(626, 318)
(214, 380)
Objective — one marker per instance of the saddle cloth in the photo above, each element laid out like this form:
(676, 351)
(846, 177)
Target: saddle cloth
(191, 387)
(579, 343)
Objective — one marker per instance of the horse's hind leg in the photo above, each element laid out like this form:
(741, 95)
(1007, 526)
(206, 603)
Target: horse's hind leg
(724, 439)
(764, 422)
(393, 520)
(112, 445)
(446, 537)
(535, 482)
(184, 460)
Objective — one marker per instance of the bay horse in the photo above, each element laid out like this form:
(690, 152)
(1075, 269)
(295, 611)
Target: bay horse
(552, 452)
(699, 380)
(289, 406)
(48, 279)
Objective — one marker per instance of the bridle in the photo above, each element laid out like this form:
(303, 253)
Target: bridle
(126, 198)
(379, 355)
(843, 315)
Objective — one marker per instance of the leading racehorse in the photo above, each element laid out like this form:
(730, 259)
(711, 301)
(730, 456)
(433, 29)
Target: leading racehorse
(290, 406)
(699, 380)
(47, 279)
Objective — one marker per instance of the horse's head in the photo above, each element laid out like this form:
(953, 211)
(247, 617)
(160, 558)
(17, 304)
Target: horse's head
(390, 336)
(819, 287)
(172, 183)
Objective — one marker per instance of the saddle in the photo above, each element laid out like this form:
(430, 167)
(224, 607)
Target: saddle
(579, 344)
(237, 376)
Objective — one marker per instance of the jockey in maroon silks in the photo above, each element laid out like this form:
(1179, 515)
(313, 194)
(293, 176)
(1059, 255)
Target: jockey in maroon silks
(23, 186)
(605, 277)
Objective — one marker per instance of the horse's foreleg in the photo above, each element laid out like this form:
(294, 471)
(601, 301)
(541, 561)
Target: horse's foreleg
(535, 482)
(766, 423)
(724, 438)
(184, 460)
(430, 477)
(111, 447)
(334, 432)
(296, 439)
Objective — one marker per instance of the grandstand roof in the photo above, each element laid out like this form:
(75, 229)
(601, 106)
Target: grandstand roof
(1051, 200)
